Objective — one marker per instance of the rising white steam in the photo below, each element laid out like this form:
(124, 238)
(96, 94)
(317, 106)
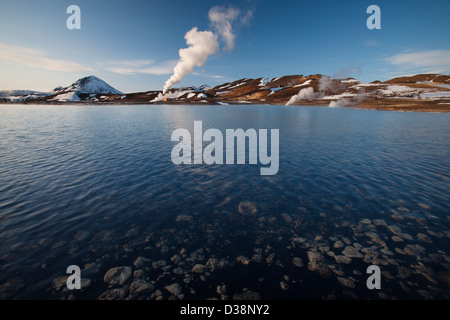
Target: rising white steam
(304, 94)
(222, 19)
(201, 45)
(346, 102)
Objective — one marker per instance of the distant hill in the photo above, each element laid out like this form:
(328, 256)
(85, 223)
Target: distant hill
(424, 92)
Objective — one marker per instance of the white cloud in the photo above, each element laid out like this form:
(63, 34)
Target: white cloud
(214, 76)
(142, 66)
(432, 61)
(37, 58)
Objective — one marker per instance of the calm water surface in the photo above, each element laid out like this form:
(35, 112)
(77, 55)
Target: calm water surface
(94, 186)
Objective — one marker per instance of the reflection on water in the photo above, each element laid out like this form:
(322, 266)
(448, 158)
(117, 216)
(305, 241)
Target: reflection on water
(94, 186)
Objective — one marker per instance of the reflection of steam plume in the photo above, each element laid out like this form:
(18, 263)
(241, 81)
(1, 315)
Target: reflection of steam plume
(201, 45)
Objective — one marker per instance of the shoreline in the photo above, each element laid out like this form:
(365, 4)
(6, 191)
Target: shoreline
(403, 105)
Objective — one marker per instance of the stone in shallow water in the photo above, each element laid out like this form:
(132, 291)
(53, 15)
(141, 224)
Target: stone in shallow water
(59, 283)
(425, 294)
(249, 295)
(397, 239)
(178, 271)
(403, 272)
(257, 258)
(212, 263)
(414, 250)
(117, 276)
(284, 286)
(352, 252)
(221, 289)
(141, 286)
(379, 222)
(247, 208)
(338, 244)
(243, 260)
(424, 206)
(394, 229)
(81, 235)
(140, 262)
(297, 262)
(316, 263)
(174, 289)
(424, 238)
(198, 268)
(158, 264)
(270, 258)
(183, 218)
(287, 218)
(406, 236)
(113, 294)
(347, 283)
(342, 259)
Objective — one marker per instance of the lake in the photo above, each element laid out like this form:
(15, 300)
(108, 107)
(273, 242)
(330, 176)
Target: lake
(94, 186)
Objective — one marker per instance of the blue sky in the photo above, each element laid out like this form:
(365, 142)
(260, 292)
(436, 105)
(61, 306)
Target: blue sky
(133, 45)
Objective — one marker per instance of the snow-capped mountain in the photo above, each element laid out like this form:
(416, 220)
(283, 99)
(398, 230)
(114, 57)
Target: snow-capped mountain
(86, 88)
(88, 85)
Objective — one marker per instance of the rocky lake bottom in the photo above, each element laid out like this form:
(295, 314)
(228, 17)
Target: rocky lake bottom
(355, 188)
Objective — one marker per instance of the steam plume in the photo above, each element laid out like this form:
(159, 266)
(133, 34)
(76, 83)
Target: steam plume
(222, 18)
(201, 45)
(304, 94)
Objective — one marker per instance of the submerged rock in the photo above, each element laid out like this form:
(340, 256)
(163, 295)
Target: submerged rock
(113, 294)
(270, 258)
(158, 264)
(414, 250)
(178, 271)
(117, 276)
(338, 244)
(247, 208)
(140, 262)
(198, 268)
(141, 286)
(249, 295)
(81, 235)
(287, 218)
(352, 252)
(174, 289)
(424, 238)
(342, 259)
(316, 263)
(212, 264)
(379, 222)
(347, 283)
(298, 262)
(403, 272)
(183, 218)
(424, 206)
(243, 260)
